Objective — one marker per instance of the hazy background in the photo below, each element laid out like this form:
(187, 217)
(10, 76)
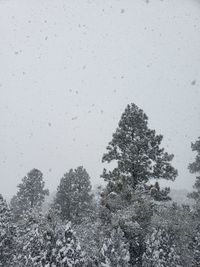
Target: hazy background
(69, 68)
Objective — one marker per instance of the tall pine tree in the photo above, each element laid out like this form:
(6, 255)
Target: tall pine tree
(136, 150)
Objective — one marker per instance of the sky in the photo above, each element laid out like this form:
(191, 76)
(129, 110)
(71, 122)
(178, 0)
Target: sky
(68, 68)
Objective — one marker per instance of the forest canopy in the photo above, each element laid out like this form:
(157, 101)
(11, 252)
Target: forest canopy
(128, 222)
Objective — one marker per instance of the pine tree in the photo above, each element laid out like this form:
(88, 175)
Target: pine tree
(195, 195)
(31, 193)
(195, 168)
(89, 235)
(161, 250)
(62, 248)
(73, 195)
(134, 220)
(115, 250)
(136, 150)
(7, 235)
(171, 229)
(29, 239)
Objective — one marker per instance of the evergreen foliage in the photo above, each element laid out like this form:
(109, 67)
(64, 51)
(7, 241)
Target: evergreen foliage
(29, 239)
(115, 250)
(62, 248)
(195, 168)
(161, 250)
(74, 196)
(7, 234)
(195, 195)
(31, 193)
(136, 150)
(130, 223)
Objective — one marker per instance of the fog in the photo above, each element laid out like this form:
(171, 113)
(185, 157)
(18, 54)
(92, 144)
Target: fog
(69, 68)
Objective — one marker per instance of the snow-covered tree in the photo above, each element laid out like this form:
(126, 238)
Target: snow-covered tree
(74, 196)
(195, 168)
(136, 150)
(29, 239)
(134, 219)
(89, 233)
(31, 193)
(194, 246)
(62, 248)
(172, 227)
(7, 235)
(115, 250)
(46, 241)
(195, 195)
(160, 250)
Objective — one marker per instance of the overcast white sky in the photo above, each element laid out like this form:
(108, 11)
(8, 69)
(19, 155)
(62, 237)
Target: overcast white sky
(68, 68)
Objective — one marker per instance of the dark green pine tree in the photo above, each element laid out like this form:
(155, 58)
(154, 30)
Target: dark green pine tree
(7, 235)
(74, 196)
(136, 150)
(31, 193)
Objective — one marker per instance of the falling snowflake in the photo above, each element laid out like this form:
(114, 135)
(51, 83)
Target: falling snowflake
(193, 82)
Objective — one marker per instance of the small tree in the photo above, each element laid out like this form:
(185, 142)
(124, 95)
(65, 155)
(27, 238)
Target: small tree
(73, 195)
(136, 150)
(31, 193)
